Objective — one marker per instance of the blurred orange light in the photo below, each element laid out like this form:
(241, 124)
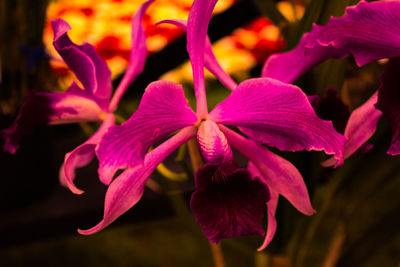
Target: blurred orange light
(106, 25)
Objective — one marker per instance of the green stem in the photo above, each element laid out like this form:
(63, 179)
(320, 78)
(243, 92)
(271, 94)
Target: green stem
(167, 173)
(119, 118)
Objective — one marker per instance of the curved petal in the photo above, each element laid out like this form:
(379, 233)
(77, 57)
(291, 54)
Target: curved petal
(279, 174)
(271, 209)
(127, 189)
(360, 127)
(77, 158)
(199, 17)
(271, 229)
(137, 57)
(91, 70)
(230, 207)
(43, 108)
(279, 115)
(369, 31)
(162, 111)
(82, 155)
(389, 101)
(210, 61)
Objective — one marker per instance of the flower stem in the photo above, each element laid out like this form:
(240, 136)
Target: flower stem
(197, 163)
(194, 153)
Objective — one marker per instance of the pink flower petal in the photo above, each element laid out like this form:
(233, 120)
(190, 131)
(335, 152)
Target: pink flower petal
(162, 111)
(82, 155)
(43, 108)
(271, 210)
(359, 128)
(199, 17)
(210, 61)
(90, 69)
(127, 189)
(279, 174)
(369, 31)
(278, 114)
(138, 54)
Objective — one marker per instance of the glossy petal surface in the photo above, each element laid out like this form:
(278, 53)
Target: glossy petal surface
(127, 189)
(368, 31)
(279, 174)
(279, 115)
(230, 207)
(162, 111)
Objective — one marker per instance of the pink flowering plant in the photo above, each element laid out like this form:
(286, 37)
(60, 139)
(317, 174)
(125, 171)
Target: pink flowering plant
(228, 201)
(230, 198)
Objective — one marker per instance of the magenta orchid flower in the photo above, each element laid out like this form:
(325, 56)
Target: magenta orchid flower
(92, 102)
(369, 31)
(228, 200)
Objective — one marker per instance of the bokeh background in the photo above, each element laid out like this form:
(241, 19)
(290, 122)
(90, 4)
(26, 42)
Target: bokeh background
(358, 205)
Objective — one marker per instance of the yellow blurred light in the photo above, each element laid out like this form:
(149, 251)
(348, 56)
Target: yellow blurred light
(286, 8)
(270, 32)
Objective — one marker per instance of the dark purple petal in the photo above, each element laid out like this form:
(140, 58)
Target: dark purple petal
(199, 17)
(138, 54)
(278, 114)
(82, 155)
(43, 108)
(127, 189)
(360, 127)
(332, 108)
(279, 174)
(369, 31)
(162, 111)
(90, 69)
(213, 145)
(271, 209)
(389, 101)
(228, 207)
(210, 61)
